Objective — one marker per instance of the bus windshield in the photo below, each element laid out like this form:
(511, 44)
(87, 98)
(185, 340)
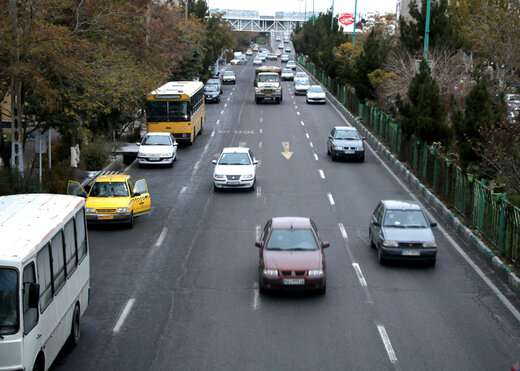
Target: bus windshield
(8, 301)
(164, 111)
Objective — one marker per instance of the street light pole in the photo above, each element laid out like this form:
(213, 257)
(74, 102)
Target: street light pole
(427, 30)
(355, 20)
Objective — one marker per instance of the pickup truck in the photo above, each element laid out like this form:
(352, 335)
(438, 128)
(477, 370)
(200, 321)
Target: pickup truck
(268, 84)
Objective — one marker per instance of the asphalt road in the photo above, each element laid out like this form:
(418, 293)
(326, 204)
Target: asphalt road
(179, 291)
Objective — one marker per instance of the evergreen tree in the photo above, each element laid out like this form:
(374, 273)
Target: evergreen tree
(199, 9)
(423, 115)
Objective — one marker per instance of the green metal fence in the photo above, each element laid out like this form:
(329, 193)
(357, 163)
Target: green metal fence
(489, 213)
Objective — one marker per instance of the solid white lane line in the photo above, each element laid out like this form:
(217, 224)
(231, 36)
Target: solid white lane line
(302, 123)
(260, 131)
(298, 113)
(359, 274)
(310, 144)
(124, 314)
(260, 144)
(307, 135)
(184, 189)
(218, 122)
(160, 240)
(322, 174)
(331, 200)
(387, 343)
(257, 232)
(213, 133)
(315, 156)
(343, 231)
(258, 192)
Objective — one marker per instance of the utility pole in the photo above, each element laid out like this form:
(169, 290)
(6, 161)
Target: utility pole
(305, 11)
(427, 30)
(355, 20)
(332, 16)
(186, 6)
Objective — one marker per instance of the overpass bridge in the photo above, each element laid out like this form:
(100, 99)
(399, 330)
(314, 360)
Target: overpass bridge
(251, 20)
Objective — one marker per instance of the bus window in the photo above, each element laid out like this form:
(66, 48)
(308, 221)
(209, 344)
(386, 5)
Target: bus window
(157, 111)
(30, 315)
(178, 111)
(71, 259)
(81, 237)
(45, 277)
(8, 301)
(58, 262)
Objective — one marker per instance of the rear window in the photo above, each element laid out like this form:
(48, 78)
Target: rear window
(292, 240)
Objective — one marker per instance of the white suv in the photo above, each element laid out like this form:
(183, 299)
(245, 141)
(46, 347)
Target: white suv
(157, 149)
(235, 168)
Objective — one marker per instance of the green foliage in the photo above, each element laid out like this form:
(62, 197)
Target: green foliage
(422, 114)
(199, 9)
(444, 30)
(95, 155)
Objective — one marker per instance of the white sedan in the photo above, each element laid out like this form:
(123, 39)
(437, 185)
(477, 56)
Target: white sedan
(157, 149)
(315, 94)
(235, 168)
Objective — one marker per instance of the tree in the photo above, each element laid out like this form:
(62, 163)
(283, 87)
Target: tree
(443, 28)
(422, 114)
(199, 9)
(481, 112)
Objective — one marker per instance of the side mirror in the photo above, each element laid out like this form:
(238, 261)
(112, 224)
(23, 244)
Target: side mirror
(376, 223)
(363, 138)
(137, 194)
(33, 294)
(325, 244)
(255, 162)
(259, 244)
(214, 162)
(137, 143)
(433, 224)
(83, 194)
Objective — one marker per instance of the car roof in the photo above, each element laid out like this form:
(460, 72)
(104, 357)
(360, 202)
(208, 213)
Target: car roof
(346, 128)
(163, 134)
(286, 222)
(235, 150)
(315, 86)
(228, 72)
(112, 178)
(401, 205)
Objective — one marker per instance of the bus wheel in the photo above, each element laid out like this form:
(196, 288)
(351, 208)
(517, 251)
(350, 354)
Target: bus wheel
(75, 330)
(39, 365)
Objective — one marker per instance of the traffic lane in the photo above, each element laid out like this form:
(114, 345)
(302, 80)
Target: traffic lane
(358, 188)
(117, 254)
(223, 292)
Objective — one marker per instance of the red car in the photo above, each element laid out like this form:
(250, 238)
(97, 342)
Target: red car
(291, 256)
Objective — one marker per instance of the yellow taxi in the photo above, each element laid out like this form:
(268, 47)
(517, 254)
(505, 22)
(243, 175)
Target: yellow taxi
(113, 198)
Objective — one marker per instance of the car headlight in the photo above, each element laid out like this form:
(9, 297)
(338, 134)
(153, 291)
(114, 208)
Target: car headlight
(430, 244)
(167, 155)
(122, 210)
(315, 273)
(219, 176)
(360, 148)
(271, 272)
(90, 210)
(258, 90)
(389, 243)
(338, 147)
(248, 176)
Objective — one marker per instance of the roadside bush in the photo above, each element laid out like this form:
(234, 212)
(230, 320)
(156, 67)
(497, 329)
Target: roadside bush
(12, 183)
(95, 155)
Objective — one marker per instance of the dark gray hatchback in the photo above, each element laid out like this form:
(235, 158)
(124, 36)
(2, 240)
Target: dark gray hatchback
(401, 230)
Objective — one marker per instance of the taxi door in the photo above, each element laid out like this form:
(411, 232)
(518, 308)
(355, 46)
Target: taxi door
(141, 199)
(75, 189)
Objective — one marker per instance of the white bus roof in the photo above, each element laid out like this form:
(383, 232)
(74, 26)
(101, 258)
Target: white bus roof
(28, 220)
(178, 87)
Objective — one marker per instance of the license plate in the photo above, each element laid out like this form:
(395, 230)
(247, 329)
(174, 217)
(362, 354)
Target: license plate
(349, 151)
(411, 253)
(154, 158)
(105, 217)
(293, 281)
(233, 182)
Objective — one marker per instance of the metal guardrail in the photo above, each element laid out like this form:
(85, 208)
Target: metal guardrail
(485, 211)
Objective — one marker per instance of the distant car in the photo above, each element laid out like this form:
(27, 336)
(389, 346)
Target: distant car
(291, 64)
(401, 230)
(257, 61)
(262, 56)
(288, 50)
(286, 41)
(278, 38)
(216, 82)
(300, 74)
(301, 85)
(249, 52)
(291, 256)
(157, 149)
(235, 168)
(315, 94)
(278, 53)
(287, 74)
(284, 58)
(280, 46)
(345, 142)
(211, 93)
(229, 77)
(255, 49)
(272, 56)
(235, 61)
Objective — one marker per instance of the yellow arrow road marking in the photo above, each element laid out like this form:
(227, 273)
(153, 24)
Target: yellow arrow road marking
(286, 150)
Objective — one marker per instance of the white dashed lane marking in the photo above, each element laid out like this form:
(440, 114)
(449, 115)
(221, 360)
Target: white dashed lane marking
(386, 342)
(322, 174)
(124, 314)
(331, 199)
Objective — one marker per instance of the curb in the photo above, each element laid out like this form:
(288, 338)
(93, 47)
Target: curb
(428, 197)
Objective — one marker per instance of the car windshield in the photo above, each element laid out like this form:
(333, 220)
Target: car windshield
(157, 140)
(229, 73)
(211, 87)
(8, 301)
(213, 82)
(109, 189)
(346, 135)
(292, 239)
(302, 81)
(315, 89)
(234, 159)
(405, 219)
(267, 78)
(287, 70)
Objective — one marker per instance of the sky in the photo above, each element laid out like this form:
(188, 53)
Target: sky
(270, 6)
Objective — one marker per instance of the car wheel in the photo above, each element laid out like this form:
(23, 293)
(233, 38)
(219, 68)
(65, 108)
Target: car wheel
(215, 188)
(322, 290)
(328, 151)
(372, 244)
(431, 263)
(362, 158)
(380, 258)
(253, 187)
(257, 101)
(130, 223)
(333, 156)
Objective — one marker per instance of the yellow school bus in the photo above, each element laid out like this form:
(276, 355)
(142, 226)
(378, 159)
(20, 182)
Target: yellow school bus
(177, 107)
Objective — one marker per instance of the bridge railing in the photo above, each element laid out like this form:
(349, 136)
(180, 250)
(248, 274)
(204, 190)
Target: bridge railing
(487, 212)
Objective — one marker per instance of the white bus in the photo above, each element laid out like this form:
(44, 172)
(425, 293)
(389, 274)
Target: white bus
(44, 278)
